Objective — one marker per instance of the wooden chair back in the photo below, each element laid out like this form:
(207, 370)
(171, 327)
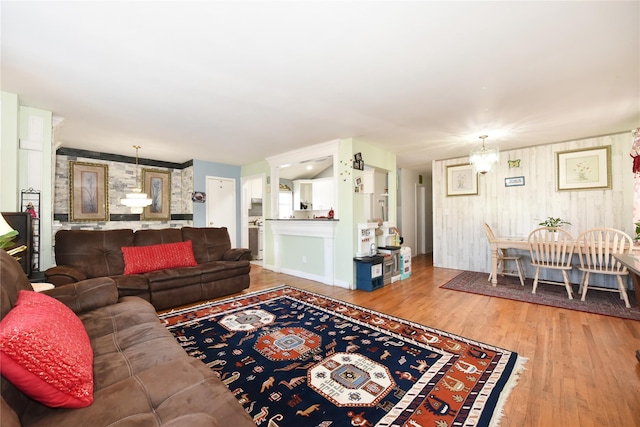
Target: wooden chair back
(551, 248)
(597, 246)
(489, 232)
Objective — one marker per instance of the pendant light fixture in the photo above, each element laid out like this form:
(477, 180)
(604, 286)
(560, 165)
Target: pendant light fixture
(483, 158)
(136, 199)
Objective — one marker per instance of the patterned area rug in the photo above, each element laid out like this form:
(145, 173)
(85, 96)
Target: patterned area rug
(598, 302)
(296, 358)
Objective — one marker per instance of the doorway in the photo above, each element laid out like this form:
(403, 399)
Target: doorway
(252, 216)
(421, 220)
(221, 205)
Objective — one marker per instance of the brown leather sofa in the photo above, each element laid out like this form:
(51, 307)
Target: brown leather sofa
(141, 375)
(87, 254)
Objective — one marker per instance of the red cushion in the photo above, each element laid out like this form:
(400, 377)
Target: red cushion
(140, 259)
(46, 353)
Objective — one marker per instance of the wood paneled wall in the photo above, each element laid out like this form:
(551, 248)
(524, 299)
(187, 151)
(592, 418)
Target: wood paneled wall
(459, 239)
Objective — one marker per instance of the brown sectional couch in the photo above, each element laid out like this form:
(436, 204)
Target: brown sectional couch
(142, 377)
(221, 270)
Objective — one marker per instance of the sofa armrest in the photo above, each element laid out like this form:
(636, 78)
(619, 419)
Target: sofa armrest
(64, 274)
(86, 295)
(237, 254)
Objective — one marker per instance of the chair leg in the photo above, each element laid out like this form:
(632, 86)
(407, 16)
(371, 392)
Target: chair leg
(520, 273)
(535, 281)
(582, 277)
(623, 292)
(567, 284)
(584, 284)
(497, 270)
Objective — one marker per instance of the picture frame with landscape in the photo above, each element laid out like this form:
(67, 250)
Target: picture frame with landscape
(88, 191)
(156, 184)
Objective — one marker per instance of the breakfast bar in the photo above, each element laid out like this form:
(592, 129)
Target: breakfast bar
(315, 228)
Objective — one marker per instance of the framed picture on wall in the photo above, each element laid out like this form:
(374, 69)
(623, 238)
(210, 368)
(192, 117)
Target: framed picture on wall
(514, 181)
(584, 169)
(157, 184)
(461, 180)
(88, 191)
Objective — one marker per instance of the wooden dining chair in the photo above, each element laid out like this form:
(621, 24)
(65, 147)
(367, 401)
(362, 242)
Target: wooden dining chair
(552, 248)
(596, 248)
(503, 257)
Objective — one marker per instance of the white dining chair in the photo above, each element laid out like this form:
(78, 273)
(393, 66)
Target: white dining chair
(596, 248)
(552, 248)
(503, 257)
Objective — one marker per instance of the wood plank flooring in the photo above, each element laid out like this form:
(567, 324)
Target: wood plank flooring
(581, 371)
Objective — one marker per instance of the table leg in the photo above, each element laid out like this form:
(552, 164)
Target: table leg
(494, 264)
(636, 287)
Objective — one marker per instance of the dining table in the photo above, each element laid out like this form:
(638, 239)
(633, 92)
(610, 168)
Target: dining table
(523, 244)
(632, 262)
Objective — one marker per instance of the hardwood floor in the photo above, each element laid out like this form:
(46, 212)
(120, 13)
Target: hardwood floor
(581, 368)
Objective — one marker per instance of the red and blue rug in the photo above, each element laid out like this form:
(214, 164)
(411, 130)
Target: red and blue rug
(296, 358)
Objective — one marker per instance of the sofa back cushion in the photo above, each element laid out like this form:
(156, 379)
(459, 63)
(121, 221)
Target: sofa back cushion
(97, 253)
(209, 243)
(157, 237)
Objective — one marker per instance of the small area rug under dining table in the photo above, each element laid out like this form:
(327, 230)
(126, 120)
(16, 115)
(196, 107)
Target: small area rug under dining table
(509, 287)
(297, 358)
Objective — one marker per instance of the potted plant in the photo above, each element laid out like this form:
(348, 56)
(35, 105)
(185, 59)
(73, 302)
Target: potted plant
(637, 231)
(557, 222)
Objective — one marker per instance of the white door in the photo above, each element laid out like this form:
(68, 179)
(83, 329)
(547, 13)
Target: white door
(221, 205)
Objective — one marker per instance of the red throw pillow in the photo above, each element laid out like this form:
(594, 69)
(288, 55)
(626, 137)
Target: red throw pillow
(140, 259)
(46, 353)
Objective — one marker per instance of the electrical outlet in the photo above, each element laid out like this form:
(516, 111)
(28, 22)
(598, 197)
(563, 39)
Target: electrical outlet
(304, 259)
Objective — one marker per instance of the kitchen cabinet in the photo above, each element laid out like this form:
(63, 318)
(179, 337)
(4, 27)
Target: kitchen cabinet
(322, 194)
(256, 188)
(253, 242)
(316, 193)
(302, 193)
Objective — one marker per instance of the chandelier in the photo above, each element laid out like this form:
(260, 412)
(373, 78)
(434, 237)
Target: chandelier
(483, 158)
(136, 199)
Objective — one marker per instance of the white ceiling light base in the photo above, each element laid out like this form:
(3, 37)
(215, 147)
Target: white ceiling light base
(484, 158)
(136, 199)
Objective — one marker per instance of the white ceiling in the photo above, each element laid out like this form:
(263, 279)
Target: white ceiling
(235, 82)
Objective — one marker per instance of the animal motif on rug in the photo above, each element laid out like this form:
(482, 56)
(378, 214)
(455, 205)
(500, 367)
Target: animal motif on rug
(300, 358)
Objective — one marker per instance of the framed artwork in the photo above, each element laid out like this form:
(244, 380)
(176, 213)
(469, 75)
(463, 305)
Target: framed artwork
(157, 184)
(584, 169)
(461, 180)
(88, 192)
(514, 181)
(358, 184)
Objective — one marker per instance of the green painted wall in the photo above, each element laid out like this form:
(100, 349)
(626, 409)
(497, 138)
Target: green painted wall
(9, 114)
(303, 254)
